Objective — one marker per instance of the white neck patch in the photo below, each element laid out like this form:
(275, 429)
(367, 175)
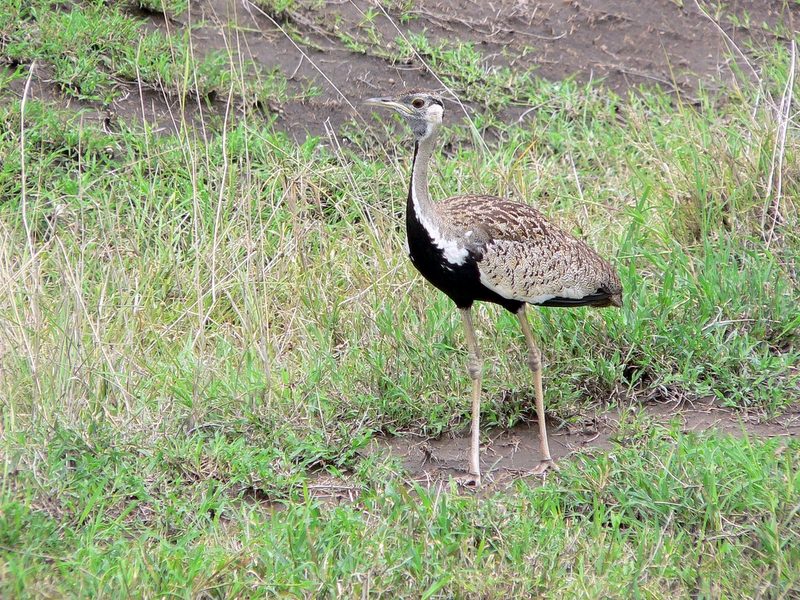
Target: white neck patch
(453, 251)
(432, 125)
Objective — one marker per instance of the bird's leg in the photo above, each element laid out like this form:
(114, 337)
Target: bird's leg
(475, 369)
(535, 363)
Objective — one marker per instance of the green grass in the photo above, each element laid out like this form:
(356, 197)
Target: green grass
(671, 515)
(196, 335)
(100, 52)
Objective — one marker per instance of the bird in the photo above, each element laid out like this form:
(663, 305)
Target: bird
(477, 247)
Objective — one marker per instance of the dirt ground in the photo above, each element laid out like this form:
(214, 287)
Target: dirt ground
(626, 43)
(677, 44)
(511, 453)
(672, 43)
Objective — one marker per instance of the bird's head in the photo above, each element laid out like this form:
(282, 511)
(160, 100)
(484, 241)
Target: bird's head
(422, 110)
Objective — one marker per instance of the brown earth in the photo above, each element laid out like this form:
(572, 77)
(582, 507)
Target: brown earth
(677, 44)
(510, 453)
(627, 43)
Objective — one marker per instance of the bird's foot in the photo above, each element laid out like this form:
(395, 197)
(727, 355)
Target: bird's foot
(544, 466)
(469, 480)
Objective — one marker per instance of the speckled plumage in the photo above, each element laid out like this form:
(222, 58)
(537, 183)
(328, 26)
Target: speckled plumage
(482, 248)
(523, 256)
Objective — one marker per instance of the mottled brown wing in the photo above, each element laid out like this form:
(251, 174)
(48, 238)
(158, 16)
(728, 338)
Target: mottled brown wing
(503, 219)
(523, 256)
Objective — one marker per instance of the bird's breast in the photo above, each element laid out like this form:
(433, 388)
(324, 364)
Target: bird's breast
(449, 265)
(436, 256)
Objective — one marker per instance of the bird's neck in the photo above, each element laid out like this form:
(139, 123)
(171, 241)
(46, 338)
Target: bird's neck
(418, 196)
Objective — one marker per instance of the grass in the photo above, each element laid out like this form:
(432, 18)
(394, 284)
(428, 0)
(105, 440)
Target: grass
(200, 335)
(668, 515)
(101, 52)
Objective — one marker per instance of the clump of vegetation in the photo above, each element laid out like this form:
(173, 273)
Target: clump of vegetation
(100, 53)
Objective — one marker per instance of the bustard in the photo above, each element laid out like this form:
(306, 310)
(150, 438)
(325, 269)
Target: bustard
(477, 247)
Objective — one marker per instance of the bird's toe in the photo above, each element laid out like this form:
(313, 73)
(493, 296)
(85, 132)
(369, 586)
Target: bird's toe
(545, 466)
(469, 480)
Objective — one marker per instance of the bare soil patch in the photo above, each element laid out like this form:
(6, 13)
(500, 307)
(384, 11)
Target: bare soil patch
(675, 44)
(625, 43)
(511, 453)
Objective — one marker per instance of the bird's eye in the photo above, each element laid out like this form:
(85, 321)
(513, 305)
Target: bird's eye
(418, 103)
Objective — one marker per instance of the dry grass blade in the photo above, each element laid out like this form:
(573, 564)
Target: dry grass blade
(24, 191)
(32, 279)
(251, 6)
(774, 193)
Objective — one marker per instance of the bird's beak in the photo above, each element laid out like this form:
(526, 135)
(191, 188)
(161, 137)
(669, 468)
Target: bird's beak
(387, 102)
